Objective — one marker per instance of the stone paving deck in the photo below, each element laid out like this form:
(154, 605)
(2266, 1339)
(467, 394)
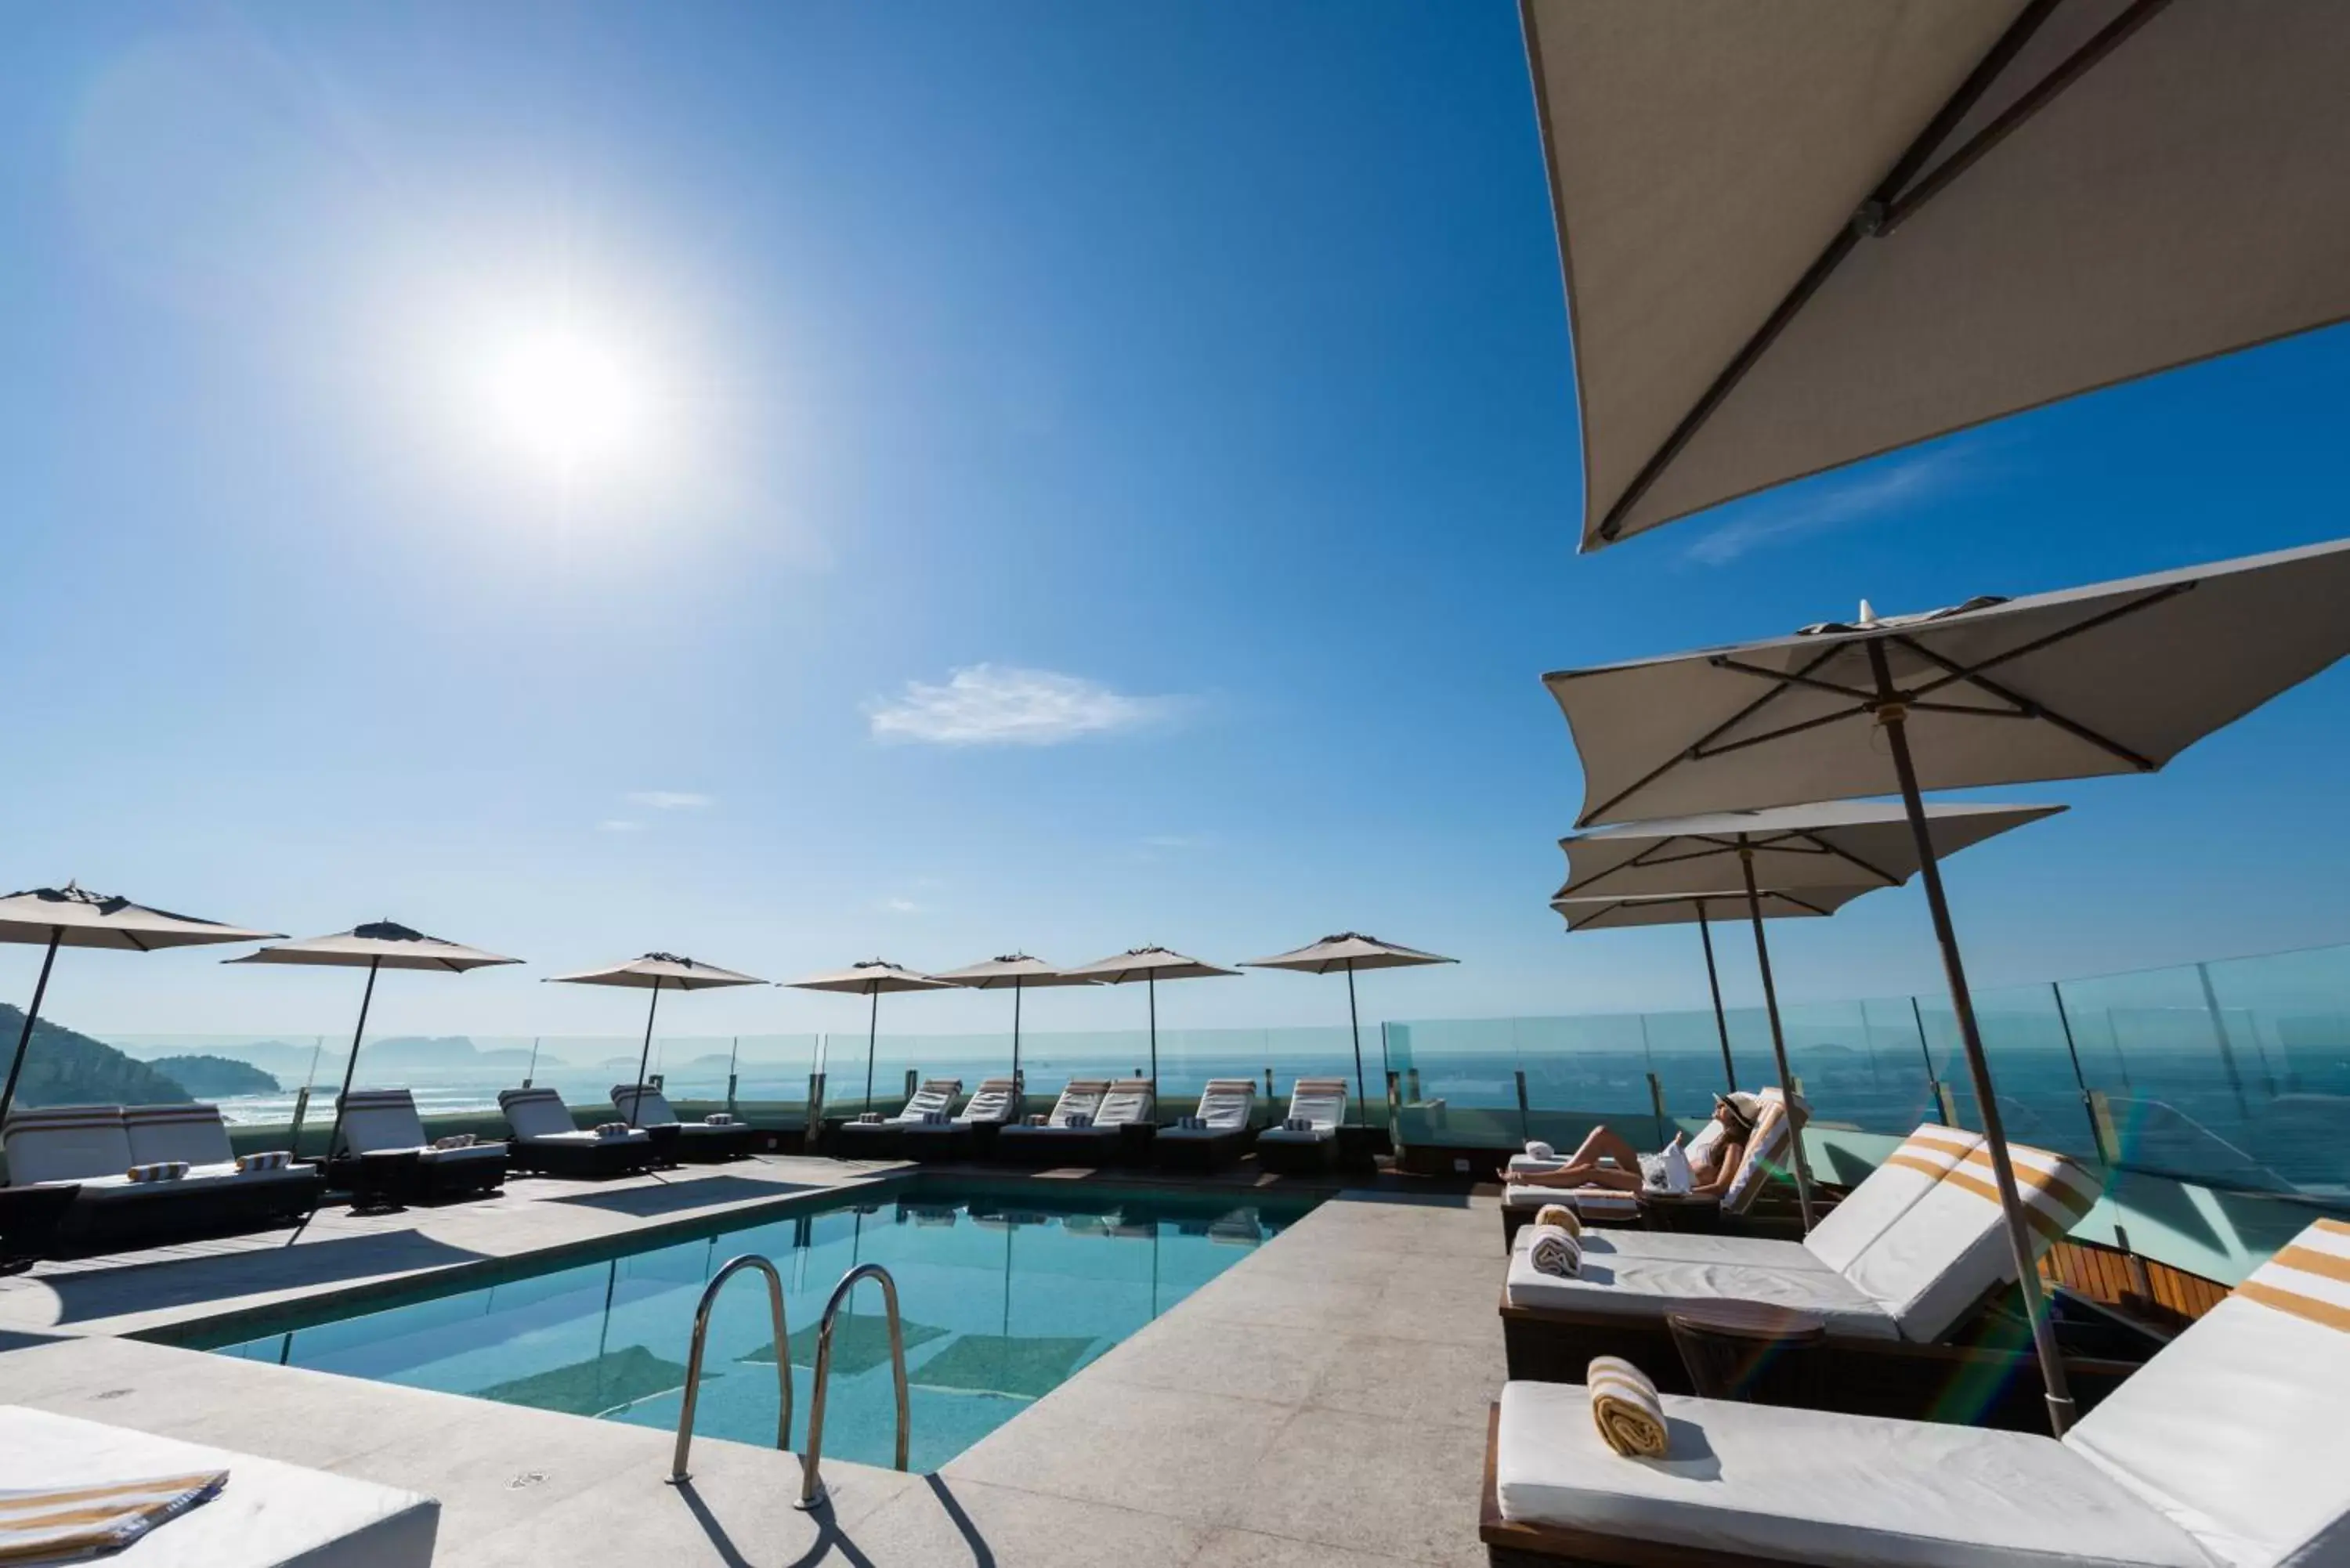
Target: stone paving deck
(1320, 1403)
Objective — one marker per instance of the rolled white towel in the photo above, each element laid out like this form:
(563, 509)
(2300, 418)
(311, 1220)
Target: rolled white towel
(158, 1170)
(1191, 1124)
(718, 1120)
(868, 1118)
(1562, 1217)
(1296, 1124)
(1625, 1407)
(456, 1140)
(1078, 1120)
(1555, 1252)
(613, 1129)
(1538, 1150)
(273, 1159)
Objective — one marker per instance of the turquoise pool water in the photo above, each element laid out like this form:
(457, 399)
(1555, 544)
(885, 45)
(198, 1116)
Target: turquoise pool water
(1005, 1294)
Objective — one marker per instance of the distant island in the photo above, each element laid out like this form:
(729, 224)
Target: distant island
(65, 1068)
(215, 1077)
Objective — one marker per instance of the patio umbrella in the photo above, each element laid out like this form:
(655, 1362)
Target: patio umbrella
(377, 945)
(869, 978)
(73, 917)
(2115, 677)
(1151, 965)
(1350, 951)
(1615, 912)
(655, 972)
(1794, 236)
(1020, 972)
(1787, 849)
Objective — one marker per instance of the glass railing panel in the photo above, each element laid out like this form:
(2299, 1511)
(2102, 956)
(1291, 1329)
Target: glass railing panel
(1685, 1053)
(2026, 1044)
(1902, 1059)
(257, 1080)
(1847, 1080)
(1458, 1083)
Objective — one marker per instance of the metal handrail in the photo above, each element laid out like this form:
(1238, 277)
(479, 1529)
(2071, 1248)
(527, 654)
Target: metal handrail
(812, 1492)
(677, 1470)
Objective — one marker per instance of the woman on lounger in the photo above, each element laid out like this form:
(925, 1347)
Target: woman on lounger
(1713, 1162)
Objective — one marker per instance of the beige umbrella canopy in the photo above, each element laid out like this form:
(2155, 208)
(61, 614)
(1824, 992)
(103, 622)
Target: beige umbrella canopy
(1348, 950)
(1797, 235)
(1016, 972)
(869, 978)
(656, 972)
(1151, 965)
(2114, 678)
(377, 945)
(73, 917)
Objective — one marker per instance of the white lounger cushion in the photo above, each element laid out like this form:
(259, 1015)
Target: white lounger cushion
(1693, 1247)
(1225, 1106)
(1651, 1288)
(67, 1143)
(1128, 1104)
(536, 1114)
(1814, 1487)
(1949, 1250)
(269, 1514)
(990, 1102)
(1320, 1101)
(1078, 1097)
(1904, 1177)
(193, 1133)
(2235, 1429)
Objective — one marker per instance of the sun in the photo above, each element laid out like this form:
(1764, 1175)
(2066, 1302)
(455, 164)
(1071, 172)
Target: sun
(566, 401)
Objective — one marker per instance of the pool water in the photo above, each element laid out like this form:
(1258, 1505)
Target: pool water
(1004, 1295)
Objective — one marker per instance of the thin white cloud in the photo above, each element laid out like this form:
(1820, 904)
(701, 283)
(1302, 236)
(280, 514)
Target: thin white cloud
(1830, 504)
(997, 705)
(902, 907)
(669, 799)
(618, 824)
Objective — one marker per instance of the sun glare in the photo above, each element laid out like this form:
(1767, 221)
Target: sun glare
(566, 402)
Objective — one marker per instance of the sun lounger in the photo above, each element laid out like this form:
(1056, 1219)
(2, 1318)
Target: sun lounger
(385, 1154)
(547, 1142)
(713, 1140)
(267, 1514)
(1307, 1139)
(2222, 1452)
(1768, 1153)
(990, 1106)
(1087, 1124)
(95, 1147)
(1227, 1106)
(1899, 1281)
(879, 1139)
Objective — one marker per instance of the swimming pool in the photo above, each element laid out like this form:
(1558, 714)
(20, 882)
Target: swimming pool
(1005, 1292)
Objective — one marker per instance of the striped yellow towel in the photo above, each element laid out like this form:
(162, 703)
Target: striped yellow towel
(1553, 1252)
(158, 1170)
(1625, 1406)
(62, 1523)
(1560, 1215)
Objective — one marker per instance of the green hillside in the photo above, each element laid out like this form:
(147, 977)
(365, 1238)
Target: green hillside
(215, 1077)
(64, 1068)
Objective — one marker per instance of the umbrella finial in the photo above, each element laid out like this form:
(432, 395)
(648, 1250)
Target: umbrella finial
(1868, 614)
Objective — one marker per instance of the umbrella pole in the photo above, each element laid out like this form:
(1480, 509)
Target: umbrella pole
(352, 1062)
(1713, 983)
(1356, 1019)
(644, 1056)
(1019, 1089)
(25, 1035)
(1778, 1041)
(1150, 983)
(872, 1038)
(1892, 716)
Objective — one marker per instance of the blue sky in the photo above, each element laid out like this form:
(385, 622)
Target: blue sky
(1058, 476)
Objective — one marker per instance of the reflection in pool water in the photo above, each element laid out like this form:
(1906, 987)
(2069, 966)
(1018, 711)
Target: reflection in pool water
(1004, 1294)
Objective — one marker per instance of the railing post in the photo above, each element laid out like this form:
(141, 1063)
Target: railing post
(812, 1124)
(677, 1470)
(812, 1492)
(1940, 1096)
(301, 1109)
(1949, 1104)
(2227, 1046)
(2101, 1128)
(1657, 1103)
(2065, 1020)
(1395, 1111)
(1526, 1124)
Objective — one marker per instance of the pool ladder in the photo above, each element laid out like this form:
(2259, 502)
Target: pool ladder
(812, 1490)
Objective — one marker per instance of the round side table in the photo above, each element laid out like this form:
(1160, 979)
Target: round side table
(1750, 1352)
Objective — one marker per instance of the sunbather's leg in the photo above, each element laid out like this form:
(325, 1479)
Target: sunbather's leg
(1605, 1144)
(1607, 1176)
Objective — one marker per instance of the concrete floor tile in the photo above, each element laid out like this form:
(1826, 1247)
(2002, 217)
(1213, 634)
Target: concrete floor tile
(1413, 1382)
(1205, 1355)
(1161, 1450)
(946, 1523)
(1368, 1483)
(1248, 1549)
(1281, 1300)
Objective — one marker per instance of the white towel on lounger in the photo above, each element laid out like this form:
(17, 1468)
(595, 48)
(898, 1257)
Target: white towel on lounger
(1555, 1252)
